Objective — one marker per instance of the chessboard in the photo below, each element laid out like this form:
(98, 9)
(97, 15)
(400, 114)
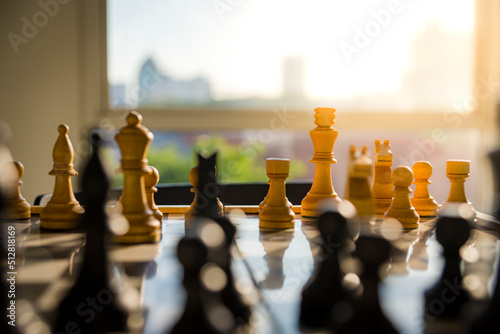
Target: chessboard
(272, 265)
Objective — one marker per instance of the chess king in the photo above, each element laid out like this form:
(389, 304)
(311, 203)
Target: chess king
(323, 138)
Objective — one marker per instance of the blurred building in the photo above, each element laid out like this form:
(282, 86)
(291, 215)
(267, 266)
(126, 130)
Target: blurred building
(157, 89)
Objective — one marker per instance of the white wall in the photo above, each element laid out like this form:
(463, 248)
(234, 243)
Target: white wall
(42, 84)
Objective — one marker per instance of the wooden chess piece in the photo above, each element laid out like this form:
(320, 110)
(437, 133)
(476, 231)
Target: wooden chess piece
(422, 200)
(151, 179)
(193, 179)
(457, 171)
(367, 316)
(63, 211)
(134, 140)
(16, 206)
(352, 156)
(401, 208)
(324, 289)
(277, 211)
(359, 183)
(94, 284)
(452, 232)
(382, 184)
(323, 138)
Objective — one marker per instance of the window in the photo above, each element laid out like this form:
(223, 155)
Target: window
(407, 71)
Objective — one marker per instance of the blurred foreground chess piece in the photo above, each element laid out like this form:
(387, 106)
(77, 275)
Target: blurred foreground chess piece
(16, 206)
(487, 322)
(323, 138)
(452, 232)
(151, 179)
(193, 179)
(367, 316)
(495, 164)
(457, 171)
(134, 140)
(359, 187)
(382, 184)
(63, 211)
(324, 289)
(201, 298)
(94, 280)
(401, 208)
(277, 211)
(422, 200)
(5, 301)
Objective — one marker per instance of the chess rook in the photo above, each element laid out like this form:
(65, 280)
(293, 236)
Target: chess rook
(401, 208)
(382, 184)
(63, 211)
(276, 211)
(151, 179)
(323, 138)
(422, 200)
(16, 206)
(457, 171)
(134, 140)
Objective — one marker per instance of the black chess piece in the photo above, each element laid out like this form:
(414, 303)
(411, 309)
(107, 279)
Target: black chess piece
(324, 288)
(5, 300)
(488, 320)
(92, 305)
(495, 164)
(208, 189)
(207, 207)
(445, 299)
(193, 256)
(368, 317)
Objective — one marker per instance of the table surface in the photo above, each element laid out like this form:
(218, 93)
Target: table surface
(279, 261)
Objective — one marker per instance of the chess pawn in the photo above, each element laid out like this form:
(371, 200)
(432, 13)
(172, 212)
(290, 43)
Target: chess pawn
(323, 138)
(151, 179)
(360, 194)
(423, 202)
(16, 206)
(193, 179)
(134, 140)
(401, 208)
(382, 184)
(457, 171)
(277, 211)
(63, 211)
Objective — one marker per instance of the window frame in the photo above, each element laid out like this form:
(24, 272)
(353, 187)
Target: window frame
(483, 117)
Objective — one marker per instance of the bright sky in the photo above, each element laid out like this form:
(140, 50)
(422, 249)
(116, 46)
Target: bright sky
(241, 50)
